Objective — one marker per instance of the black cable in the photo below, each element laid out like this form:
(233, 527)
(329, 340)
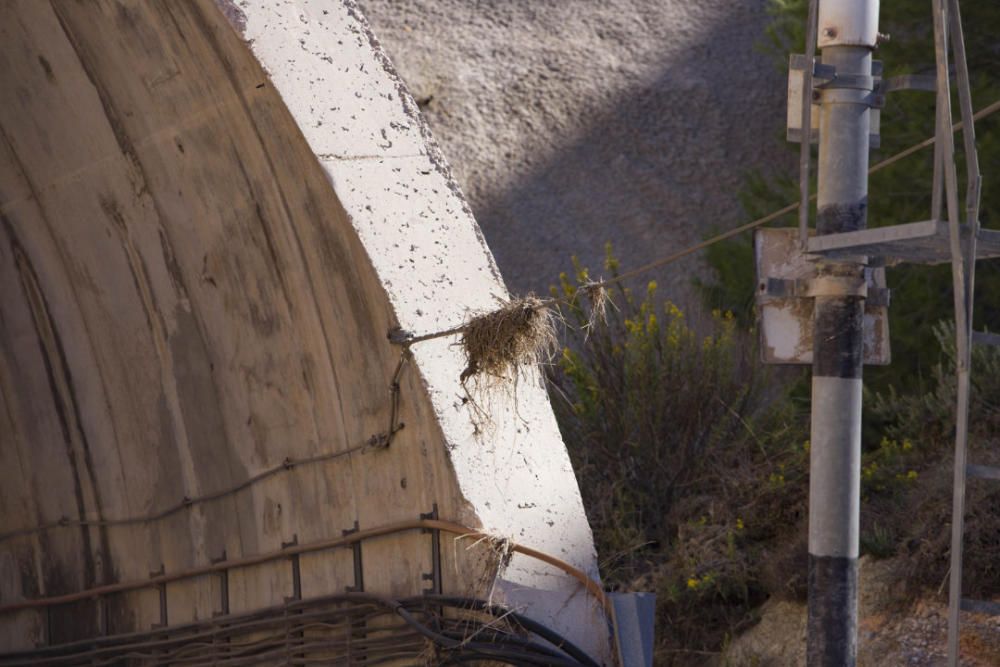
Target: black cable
(267, 635)
(503, 653)
(531, 625)
(499, 637)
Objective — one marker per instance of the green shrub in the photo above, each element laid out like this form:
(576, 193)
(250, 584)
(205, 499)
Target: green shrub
(879, 541)
(693, 464)
(910, 481)
(680, 444)
(643, 398)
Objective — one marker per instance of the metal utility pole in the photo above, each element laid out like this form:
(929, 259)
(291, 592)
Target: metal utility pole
(847, 31)
(819, 303)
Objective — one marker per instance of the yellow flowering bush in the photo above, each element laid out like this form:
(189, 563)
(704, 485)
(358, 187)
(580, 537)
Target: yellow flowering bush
(661, 408)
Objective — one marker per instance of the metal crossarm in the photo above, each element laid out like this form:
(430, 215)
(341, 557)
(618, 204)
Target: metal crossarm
(984, 338)
(926, 242)
(981, 607)
(982, 472)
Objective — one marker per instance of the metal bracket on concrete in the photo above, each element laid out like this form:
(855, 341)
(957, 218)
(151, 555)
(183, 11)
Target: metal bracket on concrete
(296, 571)
(103, 615)
(434, 576)
(223, 586)
(162, 590)
(296, 583)
(399, 336)
(359, 576)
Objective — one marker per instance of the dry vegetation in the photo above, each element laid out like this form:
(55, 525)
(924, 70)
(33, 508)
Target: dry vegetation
(693, 459)
(519, 333)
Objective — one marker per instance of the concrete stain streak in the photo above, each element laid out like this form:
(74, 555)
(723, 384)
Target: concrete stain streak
(35, 195)
(98, 566)
(196, 118)
(265, 228)
(140, 276)
(63, 394)
(153, 314)
(110, 113)
(211, 37)
(32, 579)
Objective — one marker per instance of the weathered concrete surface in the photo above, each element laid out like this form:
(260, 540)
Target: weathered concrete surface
(570, 124)
(208, 228)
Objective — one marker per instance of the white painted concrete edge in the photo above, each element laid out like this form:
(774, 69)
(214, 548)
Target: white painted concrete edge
(422, 239)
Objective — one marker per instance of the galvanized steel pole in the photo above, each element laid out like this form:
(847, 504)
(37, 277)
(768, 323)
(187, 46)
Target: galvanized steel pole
(847, 33)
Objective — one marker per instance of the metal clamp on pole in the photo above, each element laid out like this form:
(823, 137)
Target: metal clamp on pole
(837, 286)
(826, 78)
(825, 286)
(850, 81)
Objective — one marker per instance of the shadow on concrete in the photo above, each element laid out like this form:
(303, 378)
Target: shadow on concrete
(653, 172)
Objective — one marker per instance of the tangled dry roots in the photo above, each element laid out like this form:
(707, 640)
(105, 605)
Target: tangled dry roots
(520, 333)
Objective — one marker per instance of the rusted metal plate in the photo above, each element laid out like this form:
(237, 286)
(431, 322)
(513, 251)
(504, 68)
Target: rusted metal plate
(786, 319)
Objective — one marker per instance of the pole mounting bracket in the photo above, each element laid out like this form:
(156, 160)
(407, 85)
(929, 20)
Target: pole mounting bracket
(825, 77)
(785, 288)
(788, 283)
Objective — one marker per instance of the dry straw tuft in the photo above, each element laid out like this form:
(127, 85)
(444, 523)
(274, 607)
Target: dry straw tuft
(598, 295)
(520, 333)
(500, 552)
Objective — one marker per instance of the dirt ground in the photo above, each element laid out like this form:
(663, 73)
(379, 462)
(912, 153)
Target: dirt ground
(889, 633)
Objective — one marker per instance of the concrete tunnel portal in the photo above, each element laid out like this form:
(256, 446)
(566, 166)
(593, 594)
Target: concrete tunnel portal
(212, 215)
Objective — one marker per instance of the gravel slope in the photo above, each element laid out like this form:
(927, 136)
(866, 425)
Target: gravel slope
(890, 632)
(576, 122)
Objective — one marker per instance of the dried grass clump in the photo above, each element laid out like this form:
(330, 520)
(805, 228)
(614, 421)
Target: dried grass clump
(499, 553)
(597, 293)
(520, 333)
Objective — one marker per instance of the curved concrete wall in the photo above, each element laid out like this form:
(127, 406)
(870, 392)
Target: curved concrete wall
(212, 214)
